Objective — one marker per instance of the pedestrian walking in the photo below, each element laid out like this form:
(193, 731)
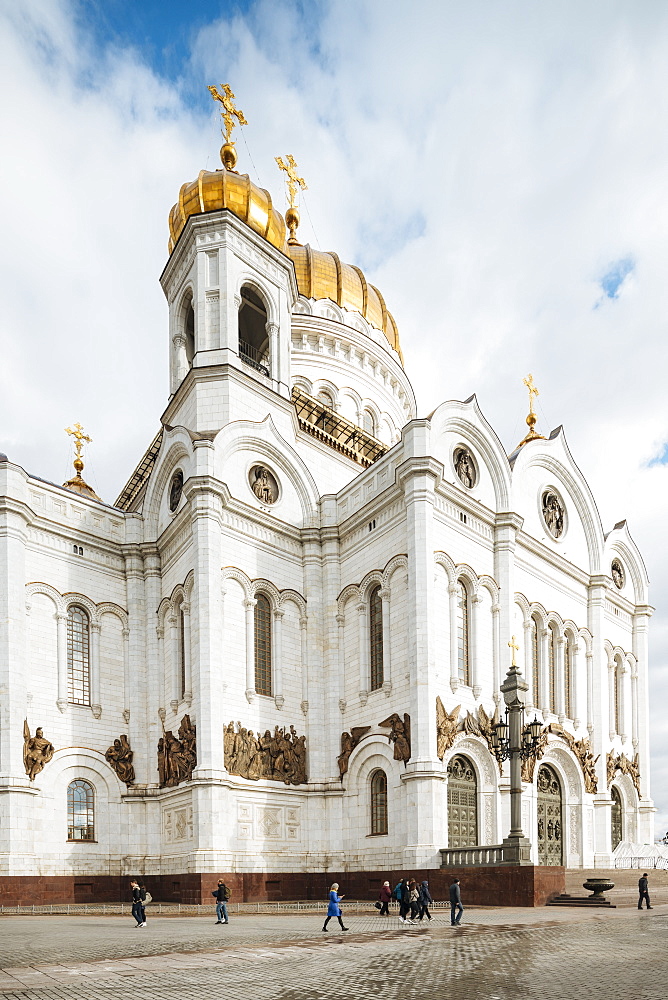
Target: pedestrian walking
(425, 901)
(138, 898)
(414, 899)
(222, 894)
(643, 892)
(456, 904)
(404, 899)
(385, 897)
(334, 908)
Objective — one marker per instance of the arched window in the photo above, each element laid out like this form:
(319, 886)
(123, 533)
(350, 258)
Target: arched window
(369, 422)
(378, 803)
(616, 818)
(553, 668)
(463, 634)
(462, 803)
(568, 677)
(325, 398)
(80, 810)
(617, 696)
(253, 336)
(262, 645)
(376, 638)
(535, 668)
(78, 656)
(189, 329)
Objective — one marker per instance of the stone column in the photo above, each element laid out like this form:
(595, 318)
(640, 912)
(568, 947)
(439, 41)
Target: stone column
(174, 663)
(61, 641)
(641, 619)
(612, 699)
(277, 678)
(187, 657)
(634, 707)
(621, 694)
(496, 647)
(303, 635)
(249, 605)
(507, 525)
(126, 674)
(363, 640)
(533, 697)
(95, 706)
(180, 362)
(148, 671)
(544, 669)
(600, 716)
(385, 596)
(575, 677)
(341, 686)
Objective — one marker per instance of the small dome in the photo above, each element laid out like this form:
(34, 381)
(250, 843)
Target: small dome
(321, 275)
(217, 189)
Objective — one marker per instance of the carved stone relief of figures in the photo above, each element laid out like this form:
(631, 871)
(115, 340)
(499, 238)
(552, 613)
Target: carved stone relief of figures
(37, 751)
(348, 743)
(278, 756)
(480, 725)
(400, 735)
(465, 467)
(622, 763)
(580, 748)
(553, 513)
(177, 756)
(264, 484)
(120, 756)
(446, 727)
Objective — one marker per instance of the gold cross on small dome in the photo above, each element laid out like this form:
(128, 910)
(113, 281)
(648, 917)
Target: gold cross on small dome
(294, 182)
(515, 648)
(228, 154)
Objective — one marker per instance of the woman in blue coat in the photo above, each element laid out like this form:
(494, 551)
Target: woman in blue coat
(334, 910)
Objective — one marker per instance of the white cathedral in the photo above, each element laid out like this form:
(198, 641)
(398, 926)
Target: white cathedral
(280, 650)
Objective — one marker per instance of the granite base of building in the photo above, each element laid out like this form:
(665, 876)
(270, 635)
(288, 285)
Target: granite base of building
(503, 885)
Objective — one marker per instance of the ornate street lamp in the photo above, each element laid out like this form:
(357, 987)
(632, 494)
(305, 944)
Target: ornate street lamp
(513, 741)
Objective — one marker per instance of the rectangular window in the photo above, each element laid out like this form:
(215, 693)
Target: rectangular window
(262, 645)
(78, 667)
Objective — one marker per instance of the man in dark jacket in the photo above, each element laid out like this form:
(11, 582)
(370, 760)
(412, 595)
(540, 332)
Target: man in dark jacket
(138, 897)
(222, 894)
(455, 904)
(425, 901)
(643, 892)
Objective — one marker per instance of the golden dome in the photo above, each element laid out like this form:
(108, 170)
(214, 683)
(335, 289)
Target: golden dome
(321, 275)
(217, 189)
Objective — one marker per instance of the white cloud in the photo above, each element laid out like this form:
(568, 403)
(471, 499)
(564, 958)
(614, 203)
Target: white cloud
(486, 162)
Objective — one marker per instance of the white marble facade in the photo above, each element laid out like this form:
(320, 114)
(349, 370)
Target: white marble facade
(171, 596)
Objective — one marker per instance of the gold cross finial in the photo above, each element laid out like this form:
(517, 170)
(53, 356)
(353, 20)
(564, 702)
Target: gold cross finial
(228, 153)
(79, 437)
(531, 418)
(294, 181)
(77, 484)
(515, 648)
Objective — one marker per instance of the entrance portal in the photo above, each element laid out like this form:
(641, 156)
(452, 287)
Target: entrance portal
(462, 804)
(550, 825)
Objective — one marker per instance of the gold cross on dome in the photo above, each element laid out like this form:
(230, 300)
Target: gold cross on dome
(229, 112)
(79, 438)
(533, 391)
(293, 179)
(515, 648)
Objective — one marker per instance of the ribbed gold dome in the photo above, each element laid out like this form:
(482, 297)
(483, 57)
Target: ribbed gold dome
(321, 275)
(217, 189)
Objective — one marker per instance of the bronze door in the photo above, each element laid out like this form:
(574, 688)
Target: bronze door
(550, 825)
(616, 818)
(462, 804)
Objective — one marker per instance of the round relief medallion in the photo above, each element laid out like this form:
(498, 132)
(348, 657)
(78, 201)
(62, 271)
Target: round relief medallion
(553, 512)
(264, 484)
(175, 490)
(465, 467)
(617, 571)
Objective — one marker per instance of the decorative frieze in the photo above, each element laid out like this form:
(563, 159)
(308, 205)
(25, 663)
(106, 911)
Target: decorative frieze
(278, 756)
(177, 758)
(622, 763)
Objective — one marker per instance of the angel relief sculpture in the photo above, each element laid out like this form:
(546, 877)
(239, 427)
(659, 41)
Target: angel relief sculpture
(348, 743)
(446, 727)
(400, 735)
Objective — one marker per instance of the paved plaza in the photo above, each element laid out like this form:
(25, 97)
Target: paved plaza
(498, 954)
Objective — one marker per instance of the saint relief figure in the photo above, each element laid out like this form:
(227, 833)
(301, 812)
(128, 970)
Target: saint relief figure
(120, 756)
(400, 735)
(264, 485)
(278, 756)
(465, 468)
(37, 751)
(177, 756)
(553, 514)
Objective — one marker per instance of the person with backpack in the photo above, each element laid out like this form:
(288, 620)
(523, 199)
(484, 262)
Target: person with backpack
(404, 899)
(414, 897)
(138, 900)
(385, 897)
(222, 894)
(425, 900)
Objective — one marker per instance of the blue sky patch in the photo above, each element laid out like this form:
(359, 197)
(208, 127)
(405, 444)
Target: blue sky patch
(661, 458)
(614, 277)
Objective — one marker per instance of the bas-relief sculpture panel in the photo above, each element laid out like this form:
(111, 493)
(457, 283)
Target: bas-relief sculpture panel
(277, 756)
(268, 822)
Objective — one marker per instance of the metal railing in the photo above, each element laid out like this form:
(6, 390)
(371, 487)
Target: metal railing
(251, 356)
(658, 863)
(357, 907)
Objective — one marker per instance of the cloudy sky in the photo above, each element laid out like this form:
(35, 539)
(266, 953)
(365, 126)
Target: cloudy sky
(497, 168)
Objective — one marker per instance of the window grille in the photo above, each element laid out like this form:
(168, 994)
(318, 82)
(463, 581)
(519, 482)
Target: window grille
(78, 656)
(262, 645)
(80, 810)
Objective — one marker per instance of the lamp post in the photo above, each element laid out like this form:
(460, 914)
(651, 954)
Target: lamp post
(513, 741)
